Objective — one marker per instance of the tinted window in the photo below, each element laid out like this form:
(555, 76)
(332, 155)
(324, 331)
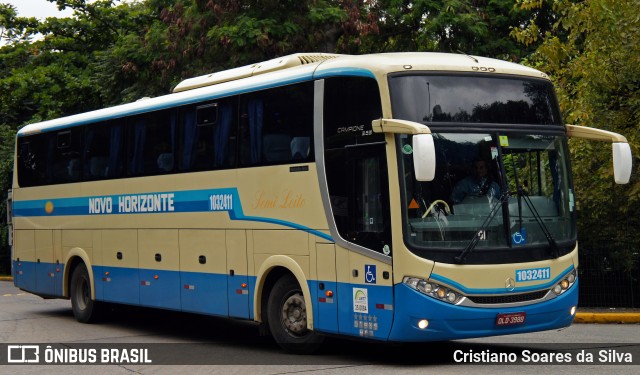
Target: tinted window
(34, 153)
(276, 126)
(356, 163)
(350, 106)
(103, 146)
(208, 136)
(469, 99)
(151, 143)
(67, 156)
(273, 126)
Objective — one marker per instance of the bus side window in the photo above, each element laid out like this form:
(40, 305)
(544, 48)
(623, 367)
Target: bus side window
(208, 136)
(67, 156)
(277, 126)
(27, 164)
(152, 144)
(103, 144)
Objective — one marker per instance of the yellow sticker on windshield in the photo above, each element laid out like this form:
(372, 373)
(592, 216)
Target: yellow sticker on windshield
(504, 141)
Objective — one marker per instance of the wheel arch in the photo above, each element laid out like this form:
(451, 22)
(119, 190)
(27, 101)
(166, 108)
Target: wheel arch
(73, 258)
(272, 269)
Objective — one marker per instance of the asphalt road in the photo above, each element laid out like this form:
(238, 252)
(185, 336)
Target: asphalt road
(197, 344)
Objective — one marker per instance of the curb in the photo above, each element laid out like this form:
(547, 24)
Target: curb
(587, 317)
(6, 278)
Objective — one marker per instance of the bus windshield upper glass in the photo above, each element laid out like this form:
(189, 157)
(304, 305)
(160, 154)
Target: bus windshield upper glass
(473, 99)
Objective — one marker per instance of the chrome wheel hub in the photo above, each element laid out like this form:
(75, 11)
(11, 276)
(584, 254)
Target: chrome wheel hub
(294, 315)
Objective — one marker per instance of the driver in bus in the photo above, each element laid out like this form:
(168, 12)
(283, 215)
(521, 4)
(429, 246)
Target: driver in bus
(478, 184)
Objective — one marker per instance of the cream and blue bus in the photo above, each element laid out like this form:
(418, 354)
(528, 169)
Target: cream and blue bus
(396, 197)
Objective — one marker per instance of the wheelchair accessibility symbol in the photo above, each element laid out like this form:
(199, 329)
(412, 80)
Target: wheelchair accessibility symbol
(369, 273)
(520, 237)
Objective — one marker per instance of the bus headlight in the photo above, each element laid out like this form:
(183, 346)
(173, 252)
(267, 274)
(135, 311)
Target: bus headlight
(434, 290)
(565, 283)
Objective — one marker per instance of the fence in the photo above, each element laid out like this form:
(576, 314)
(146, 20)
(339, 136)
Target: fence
(609, 274)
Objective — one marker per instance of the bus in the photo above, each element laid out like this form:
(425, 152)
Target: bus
(402, 197)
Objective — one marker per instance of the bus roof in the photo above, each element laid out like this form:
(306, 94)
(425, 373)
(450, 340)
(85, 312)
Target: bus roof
(287, 70)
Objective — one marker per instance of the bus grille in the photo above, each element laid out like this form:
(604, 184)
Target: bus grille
(511, 298)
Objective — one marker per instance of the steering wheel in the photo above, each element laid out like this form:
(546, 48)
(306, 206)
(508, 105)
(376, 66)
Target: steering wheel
(446, 207)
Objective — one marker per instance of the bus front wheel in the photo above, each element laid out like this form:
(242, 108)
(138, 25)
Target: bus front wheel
(84, 308)
(287, 317)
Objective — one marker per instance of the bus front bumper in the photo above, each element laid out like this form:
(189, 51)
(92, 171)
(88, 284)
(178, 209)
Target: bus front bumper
(449, 322)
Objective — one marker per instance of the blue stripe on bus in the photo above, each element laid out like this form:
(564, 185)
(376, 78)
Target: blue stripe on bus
(471, 291)
(183, 201)
(215, 294)
(393, 312)
(343, 72)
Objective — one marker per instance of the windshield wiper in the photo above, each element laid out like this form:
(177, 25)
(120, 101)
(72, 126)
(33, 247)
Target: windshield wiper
(482, 231)
(553, 246)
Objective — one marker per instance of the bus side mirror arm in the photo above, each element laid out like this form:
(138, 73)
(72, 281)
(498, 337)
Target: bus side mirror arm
(394, 126)
(423, 148)
(622, 159)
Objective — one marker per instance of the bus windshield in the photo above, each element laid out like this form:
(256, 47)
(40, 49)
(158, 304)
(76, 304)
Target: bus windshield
(502, 182)
(491, 191)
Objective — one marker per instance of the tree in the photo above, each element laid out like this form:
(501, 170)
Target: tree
(593, 55)
(480, 27)
(47, 71)
(193, 37)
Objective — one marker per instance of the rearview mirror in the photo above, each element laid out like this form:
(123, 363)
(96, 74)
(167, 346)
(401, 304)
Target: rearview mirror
(622, 163)
(621, 151)
(424, 157)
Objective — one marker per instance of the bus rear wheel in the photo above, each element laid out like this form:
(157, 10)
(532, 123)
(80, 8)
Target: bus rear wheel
(84, 308)
(287, 317)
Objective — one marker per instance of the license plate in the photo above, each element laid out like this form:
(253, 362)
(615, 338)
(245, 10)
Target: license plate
(511, 319)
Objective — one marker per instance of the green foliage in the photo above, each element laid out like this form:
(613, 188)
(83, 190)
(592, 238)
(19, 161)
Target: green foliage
(187, 38)
(593, 55)
(7, 136)
(481, 27)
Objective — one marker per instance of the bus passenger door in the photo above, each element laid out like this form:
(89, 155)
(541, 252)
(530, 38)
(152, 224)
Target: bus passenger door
(237, 274)
(359, 195)
(355, 168)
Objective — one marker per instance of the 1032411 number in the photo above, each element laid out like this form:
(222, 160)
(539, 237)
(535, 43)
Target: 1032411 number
(533, 274)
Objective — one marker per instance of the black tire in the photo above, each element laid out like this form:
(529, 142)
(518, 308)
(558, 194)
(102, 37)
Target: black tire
(84, 308)
(287, 317)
